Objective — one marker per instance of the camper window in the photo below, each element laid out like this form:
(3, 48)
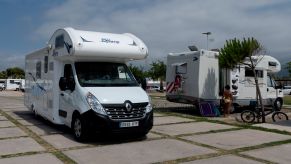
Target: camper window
(51, 66)
(181, 69)
(45, 64)
(272, 64)
(271, 82)
(59, 42)
(104, 74)
(38, 70)
(249, 73)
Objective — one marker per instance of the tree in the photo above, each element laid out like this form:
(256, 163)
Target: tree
(3, 75)
(242, 52)
(288, 67)
(139, 74)
(137, 71)
(15, 73)
(158, 72)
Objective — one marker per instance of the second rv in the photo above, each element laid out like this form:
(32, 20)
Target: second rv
(195, 76)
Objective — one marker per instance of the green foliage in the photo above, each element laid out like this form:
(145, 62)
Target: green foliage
(288, 67)
(3, 75)
(158, 70)
(235, 51)
(13, 73)
(287, 100)
(137, 71)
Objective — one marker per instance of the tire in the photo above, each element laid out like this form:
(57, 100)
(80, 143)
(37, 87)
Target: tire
(34, 111)
(279, 116)
(80, 128)
(248, 116)
(1, 89)
(278, 105)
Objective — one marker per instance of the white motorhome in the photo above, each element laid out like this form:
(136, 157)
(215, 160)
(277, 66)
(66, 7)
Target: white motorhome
(195, 76)
(13, 84)
(81, 80)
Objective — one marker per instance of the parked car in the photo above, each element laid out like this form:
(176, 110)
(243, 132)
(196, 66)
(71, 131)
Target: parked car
(287, 90)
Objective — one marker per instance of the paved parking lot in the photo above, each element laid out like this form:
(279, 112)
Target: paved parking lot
(173, 139)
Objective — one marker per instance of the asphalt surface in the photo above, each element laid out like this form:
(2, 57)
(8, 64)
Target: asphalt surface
(175, 138)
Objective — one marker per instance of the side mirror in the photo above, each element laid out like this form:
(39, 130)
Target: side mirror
(71, 84)
(63, 83)
(144, 84)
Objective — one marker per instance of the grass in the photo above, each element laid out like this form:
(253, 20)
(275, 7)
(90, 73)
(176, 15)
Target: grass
(287, 100)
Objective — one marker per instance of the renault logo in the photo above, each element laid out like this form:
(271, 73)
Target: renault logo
(128, 106)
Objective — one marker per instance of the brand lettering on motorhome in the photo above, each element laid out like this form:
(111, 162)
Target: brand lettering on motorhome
(107, 40)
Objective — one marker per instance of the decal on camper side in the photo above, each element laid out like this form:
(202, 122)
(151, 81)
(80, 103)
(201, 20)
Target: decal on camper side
(68, 47)
(36, 90)
(175, 85)
(84, 40)
(107, 40)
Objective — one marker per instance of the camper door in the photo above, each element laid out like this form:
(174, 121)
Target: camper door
(67, 87)
(271, 91)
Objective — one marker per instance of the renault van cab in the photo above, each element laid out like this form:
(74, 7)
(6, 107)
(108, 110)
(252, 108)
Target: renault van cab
(81, 80)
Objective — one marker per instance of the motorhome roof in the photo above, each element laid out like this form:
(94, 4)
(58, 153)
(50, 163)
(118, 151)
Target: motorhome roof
(201, 52)
(267, 62)
(183, 53)
(78, 44)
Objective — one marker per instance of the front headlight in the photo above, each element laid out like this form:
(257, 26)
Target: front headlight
(149, 107)
(95, 104)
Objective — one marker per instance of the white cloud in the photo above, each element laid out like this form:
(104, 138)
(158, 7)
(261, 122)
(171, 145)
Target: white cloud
(11, 60)
(172, 25)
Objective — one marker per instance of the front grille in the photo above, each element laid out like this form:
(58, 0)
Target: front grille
(118, 111)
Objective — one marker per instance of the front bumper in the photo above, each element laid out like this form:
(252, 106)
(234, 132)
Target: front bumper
(103, 124)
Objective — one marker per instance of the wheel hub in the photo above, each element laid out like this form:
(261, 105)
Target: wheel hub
(77, 127)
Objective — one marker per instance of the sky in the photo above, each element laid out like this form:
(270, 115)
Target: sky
(164, 25)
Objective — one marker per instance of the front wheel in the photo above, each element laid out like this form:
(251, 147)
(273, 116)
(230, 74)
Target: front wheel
(279, 116)
(248, 116)
(80, 129)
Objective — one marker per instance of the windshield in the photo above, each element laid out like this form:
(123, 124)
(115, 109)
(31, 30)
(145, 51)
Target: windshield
(93, 74)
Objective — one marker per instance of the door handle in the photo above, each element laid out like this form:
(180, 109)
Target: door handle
(62, 94)
(267, 89)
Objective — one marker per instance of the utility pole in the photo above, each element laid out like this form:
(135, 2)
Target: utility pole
(207, 33)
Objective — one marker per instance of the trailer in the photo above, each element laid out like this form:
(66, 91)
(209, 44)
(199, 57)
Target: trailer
(81, 80)
(195, 76)
(11, 84)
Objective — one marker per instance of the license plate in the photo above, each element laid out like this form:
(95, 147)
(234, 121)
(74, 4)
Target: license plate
(128, 124)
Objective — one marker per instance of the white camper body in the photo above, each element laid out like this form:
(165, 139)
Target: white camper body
(81, 78)
(13, 84)
(195, 76)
